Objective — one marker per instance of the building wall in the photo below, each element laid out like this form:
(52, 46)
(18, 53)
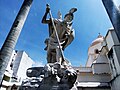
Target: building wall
(90, 77)
(92, 48)
(93, 88)
(24, 62)
(20, 63)
(111, 39)
(114, 52)
(17, 63)
(92, 55)
(105, 67)
(114, 58)
(101, 68)
(115, 84)
(12, 58)
(101, 65)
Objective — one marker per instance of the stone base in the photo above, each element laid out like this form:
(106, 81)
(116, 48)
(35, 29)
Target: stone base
(54, 87)
(50, 77)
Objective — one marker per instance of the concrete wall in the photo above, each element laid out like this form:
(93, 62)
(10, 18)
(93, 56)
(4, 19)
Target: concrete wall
(111, 39)
(91, 54)
(101, 68)
(89, 77)
(17, 63)
(83, 69)
(101, 65)
(115, 84)
(25, 63)
(114, 58)
(94, 88)
(10, 61)
(116, 51)
(92, 48)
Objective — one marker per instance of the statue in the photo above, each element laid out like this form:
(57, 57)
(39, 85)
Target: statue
(65, 34)
(58, 73)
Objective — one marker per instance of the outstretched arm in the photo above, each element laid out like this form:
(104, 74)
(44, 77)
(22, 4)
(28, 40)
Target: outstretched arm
(44, 19)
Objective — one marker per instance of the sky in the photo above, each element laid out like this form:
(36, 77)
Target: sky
(89, 20)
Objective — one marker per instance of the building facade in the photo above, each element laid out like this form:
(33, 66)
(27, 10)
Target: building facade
(102, 68)
(16, 69)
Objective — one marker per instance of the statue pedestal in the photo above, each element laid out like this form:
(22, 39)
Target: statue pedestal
(50, 77)
(51, 83)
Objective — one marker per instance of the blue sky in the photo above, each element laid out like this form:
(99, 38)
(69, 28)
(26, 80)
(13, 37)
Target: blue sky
(89, 20)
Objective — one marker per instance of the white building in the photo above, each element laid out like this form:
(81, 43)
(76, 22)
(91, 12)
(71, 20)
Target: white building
(16, 69)
(102, 68)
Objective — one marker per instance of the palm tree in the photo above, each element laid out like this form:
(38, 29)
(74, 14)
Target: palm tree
(10, 42)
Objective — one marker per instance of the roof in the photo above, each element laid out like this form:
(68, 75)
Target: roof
(98, 40)
(92, 84)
